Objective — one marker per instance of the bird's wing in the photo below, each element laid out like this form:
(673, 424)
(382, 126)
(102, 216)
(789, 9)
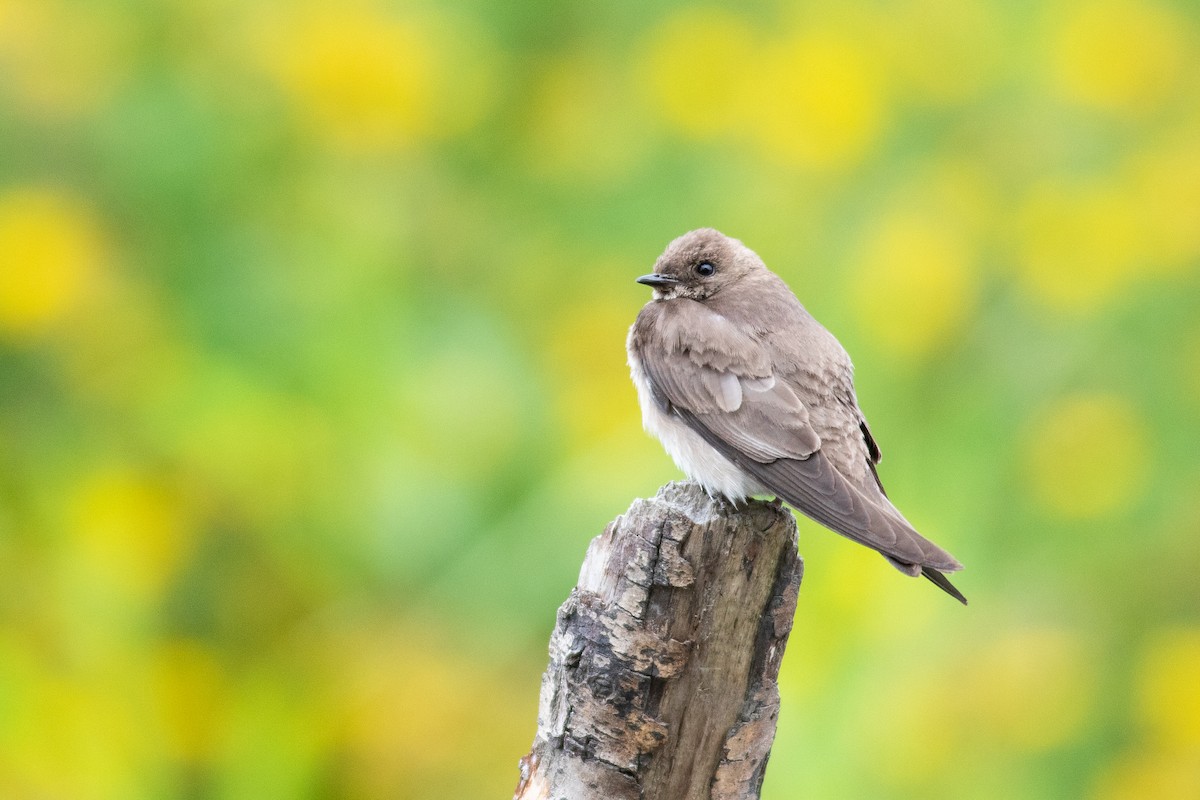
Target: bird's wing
(700, 363)
(815, 488)
(850, 402)
(720, 382)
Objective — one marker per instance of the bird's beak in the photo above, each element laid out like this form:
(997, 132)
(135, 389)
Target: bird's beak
(657, 281)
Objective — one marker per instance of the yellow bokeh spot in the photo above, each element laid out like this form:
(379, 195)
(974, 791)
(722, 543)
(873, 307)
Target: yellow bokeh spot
(80, 739)
(1049, 670)
(191, 693)
(1150, 776)
(1024, 690)
(699, 88)
(371, 81)
(1166, 180)
(1079, 245)
(70, 723)
(442, 701)
(361, 78)
(586, 354)
(121, 348)
(818, 100)
(1118, 55)
(915, 284)
(1168, 690)
(131, 529)
(375, 689)
(1087, 456)
(841, 586)
(51, 248)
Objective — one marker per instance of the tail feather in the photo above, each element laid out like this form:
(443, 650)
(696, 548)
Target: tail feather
(942, 582)
(934, 575)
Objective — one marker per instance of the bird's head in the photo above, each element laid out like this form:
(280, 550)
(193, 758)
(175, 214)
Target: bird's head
(699, 264)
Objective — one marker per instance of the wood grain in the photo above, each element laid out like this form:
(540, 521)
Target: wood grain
(664, 658)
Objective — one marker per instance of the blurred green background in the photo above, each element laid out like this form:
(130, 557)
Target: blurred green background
(312, 381)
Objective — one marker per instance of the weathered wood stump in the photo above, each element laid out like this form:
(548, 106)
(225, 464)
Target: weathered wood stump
(664, 658)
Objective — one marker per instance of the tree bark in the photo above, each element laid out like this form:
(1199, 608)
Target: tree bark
(664, 658)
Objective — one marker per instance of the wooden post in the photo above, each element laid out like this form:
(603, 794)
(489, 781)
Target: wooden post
(663, 661)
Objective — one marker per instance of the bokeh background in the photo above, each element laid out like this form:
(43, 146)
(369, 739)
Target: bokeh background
(312, 382)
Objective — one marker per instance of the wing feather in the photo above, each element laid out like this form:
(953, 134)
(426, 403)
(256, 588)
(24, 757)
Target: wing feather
(815, 488)
(730, 395)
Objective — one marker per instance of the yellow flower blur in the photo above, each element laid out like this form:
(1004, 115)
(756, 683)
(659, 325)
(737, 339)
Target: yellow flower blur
(369, 80)
(699, 62)
(916, 284)
(1118, 55)
(191, 696)
(1150, 775)
(813, 99)
(51, 248)
(1087, 456)
(819, 100)
(1168, 692)
(131, 530)
(1079, 245)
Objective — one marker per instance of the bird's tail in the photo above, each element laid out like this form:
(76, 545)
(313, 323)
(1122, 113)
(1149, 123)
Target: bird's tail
(935, 576)
(942, 582)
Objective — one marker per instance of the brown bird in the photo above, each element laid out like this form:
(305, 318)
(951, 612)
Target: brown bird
(750, 395)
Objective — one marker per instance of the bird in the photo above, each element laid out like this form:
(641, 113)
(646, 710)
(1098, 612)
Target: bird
(750, 395)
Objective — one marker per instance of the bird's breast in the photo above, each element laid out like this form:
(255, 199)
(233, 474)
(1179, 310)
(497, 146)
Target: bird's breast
(694, 456)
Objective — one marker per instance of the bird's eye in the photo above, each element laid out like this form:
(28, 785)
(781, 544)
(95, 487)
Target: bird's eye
(704, 269)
